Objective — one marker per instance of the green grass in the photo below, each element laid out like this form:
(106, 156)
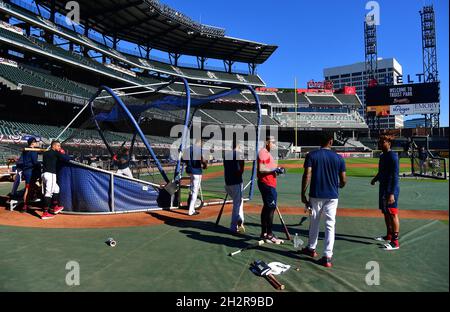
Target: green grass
(358, 193)
(193, 256)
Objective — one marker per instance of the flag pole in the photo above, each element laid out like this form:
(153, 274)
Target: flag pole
(296, 113)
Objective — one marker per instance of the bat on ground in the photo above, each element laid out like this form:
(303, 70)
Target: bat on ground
(288, 236)
(274, 282)
(221, 210)
(258, 243)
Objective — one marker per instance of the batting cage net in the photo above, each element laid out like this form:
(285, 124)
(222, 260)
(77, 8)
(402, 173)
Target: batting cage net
(120, 167)
(423, 162)
(431, 167)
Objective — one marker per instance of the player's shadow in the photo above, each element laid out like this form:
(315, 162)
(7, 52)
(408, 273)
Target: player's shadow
(348, 237)
(3, 200)
(236, 241)
(231, 240)
(33, 212)
(279, 229)
(18, 209)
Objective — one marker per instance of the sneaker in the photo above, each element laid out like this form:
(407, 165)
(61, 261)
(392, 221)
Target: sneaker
(386, 238)
(194, 213)
(46, 215)
(57, 209)
(241, 228)
(309, 252)
(393, 245)
(325, 261)
(273, 240)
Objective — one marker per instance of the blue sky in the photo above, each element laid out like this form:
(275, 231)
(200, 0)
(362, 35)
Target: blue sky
(312, 35)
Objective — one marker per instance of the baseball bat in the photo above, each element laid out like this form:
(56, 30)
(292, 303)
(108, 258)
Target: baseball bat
(221, 210)
(274, 282)
(32, 149)
(258, 243)
(288, 236)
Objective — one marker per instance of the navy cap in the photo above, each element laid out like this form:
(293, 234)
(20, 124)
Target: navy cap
(31, 141)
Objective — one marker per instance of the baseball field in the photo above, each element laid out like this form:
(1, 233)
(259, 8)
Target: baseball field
(170, 251)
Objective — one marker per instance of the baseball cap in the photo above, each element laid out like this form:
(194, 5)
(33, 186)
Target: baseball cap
(31, 141)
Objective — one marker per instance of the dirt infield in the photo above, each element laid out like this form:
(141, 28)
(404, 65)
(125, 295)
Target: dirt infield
(151, 218)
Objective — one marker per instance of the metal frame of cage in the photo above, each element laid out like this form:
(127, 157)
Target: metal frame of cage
(114, 93)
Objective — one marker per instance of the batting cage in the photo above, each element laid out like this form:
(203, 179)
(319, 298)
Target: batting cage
(423, 162)
(127, 170)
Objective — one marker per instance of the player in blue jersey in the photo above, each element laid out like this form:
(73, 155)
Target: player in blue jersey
(388, 177)
(423, 157)
(194, 167)
(30, 166)
(325, 173)
(233, 170)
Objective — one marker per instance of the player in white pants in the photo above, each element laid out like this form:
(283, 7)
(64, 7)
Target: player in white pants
(325, 174)
(50, 184)
(123, 162)
(194, 166)
(237, 217)
(327, 207)
(50, 161)
(196, 181)
(125, 172)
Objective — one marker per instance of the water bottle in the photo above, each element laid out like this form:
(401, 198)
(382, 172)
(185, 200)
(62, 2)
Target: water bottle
(297, 241)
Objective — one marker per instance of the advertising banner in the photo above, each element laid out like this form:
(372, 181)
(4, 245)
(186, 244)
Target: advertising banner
(415, 109)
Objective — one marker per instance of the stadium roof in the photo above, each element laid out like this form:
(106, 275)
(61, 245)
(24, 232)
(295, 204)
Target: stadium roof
(163, 28)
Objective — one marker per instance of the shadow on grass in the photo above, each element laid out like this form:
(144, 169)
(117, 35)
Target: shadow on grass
(232, 240)
(305, 233)
(221, 235)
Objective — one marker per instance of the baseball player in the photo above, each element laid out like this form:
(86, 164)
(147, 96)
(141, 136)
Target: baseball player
(50, 161)
(389, 190)
(423, 156)
(233, 170)
(267, 185)
(194, 167)
(325, 173)
(123, 162)
(17, 179)
(30, 164)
